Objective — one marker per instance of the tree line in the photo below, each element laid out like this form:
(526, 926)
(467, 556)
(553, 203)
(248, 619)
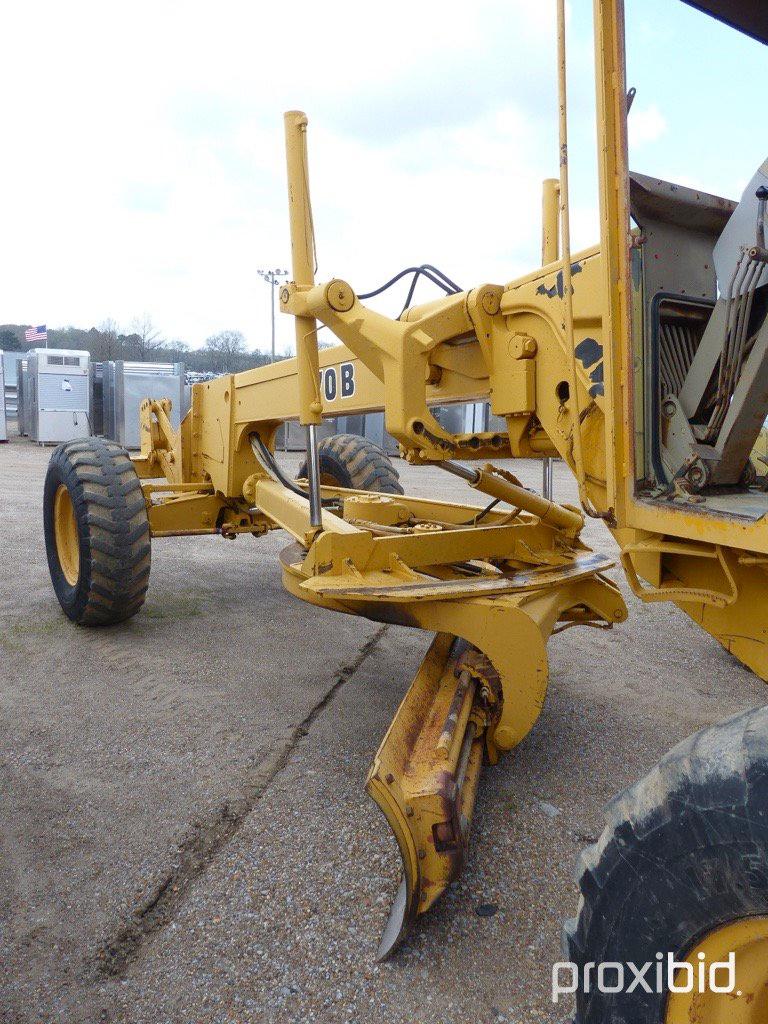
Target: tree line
(224, 352)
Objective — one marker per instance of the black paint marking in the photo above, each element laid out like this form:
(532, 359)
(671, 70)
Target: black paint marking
(589, 352)
(558, 288)
(598, 387)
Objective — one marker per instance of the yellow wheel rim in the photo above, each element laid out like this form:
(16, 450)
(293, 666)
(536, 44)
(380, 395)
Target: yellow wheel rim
(748, 1002)
(67, 539)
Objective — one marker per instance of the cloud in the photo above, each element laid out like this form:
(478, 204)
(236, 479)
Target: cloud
(646, 125)
(146, 167)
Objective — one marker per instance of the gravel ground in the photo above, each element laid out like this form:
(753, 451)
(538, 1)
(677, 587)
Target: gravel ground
(184, 834)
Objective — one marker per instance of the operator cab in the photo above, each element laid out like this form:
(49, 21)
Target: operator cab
(700, 322)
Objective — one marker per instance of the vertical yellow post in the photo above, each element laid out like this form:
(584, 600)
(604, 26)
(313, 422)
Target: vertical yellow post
(565, 247)
(550, 221)
(550, 253)
(303, 264)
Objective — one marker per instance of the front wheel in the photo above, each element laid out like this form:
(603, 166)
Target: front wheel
(96, 532)
(679, 881)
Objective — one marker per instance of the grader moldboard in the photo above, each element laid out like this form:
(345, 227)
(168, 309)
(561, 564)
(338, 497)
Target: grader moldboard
(643, 363)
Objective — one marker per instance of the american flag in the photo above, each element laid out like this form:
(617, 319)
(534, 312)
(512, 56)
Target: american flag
(36, 333)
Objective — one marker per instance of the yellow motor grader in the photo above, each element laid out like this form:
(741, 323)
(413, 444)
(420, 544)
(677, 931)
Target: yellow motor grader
(643, 363)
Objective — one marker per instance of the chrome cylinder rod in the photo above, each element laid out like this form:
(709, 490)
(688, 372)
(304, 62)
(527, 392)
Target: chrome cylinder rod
(472, 476)
(546, 488)
(313, 474)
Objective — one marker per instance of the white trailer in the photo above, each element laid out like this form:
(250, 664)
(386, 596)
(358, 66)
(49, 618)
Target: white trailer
(59, 399)
(3, 420)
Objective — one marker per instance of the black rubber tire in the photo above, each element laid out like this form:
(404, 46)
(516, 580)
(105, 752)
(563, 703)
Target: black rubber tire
(112, 527)
(685, 851)
(347, 460)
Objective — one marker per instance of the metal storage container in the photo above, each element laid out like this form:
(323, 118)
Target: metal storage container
(371, 426)
(497, 423)
(97, 398)
(22, 399)
(58, 399)
(3, 420)
(462, 417)
(125, 386)
(374, 430)
(292, 437)
(10, 373)
(351, 424)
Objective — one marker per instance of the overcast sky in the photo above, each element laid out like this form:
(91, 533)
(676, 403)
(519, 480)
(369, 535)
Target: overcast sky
(143, 167)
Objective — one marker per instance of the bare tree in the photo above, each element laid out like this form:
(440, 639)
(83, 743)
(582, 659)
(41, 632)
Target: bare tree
(226, 350)
(110, 342)
(145, 337)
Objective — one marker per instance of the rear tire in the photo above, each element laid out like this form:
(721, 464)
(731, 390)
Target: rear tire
(96, 532)
(347, 460)
(684, 853)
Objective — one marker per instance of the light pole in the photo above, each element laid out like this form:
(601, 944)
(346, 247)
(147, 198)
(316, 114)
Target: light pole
(272, 277)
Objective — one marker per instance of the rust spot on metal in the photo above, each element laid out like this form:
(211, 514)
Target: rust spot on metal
(444, 835)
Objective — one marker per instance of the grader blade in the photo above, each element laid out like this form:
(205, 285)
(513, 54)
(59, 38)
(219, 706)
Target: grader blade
(425, 774)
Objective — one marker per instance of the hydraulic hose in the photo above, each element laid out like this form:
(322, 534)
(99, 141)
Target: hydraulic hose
(267, 459)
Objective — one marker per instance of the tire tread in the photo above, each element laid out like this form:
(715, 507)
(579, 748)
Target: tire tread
(115, 546)
(366, 465)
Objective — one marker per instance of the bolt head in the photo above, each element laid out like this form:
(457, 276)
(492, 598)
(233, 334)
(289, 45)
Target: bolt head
(504, 738)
